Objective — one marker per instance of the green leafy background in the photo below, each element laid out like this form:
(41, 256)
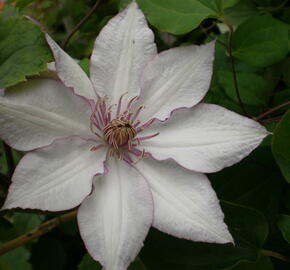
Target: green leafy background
(254, 194)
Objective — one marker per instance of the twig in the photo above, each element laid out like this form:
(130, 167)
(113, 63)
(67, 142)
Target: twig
(78, 26)
(276, 255)
(271, 9)
(9, 159)
(230, 51)
(42, 229)
(271, 120)
(263, 115)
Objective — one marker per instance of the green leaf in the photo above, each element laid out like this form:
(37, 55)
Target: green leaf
(280, 98)
(8, 11)
(247, 225)
(137, 265)
(286, 71)
(253, 88)
(3, 161)
(88, 263)
(264, 263)
(47, 254)
(23, 51)
(16, 259)
(256, 182)
(26, 222)
(23, 3)
(283, 223)
(239, 13)
(261, 41)
(123, 4)
(281, 145)
(164, 252)
(273, 75)
(180, 17)
(85, 65)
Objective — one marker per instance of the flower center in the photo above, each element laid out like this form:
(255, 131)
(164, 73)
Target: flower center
(120, 129)
(119, 132)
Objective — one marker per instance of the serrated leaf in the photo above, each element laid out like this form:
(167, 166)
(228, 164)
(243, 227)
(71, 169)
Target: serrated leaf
(23, 51)
(180, 17)
(281, 145)
(283, 223)
(253, 88)
(261, 41)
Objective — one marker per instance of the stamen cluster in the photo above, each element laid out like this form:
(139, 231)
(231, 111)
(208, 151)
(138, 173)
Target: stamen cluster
(119, 129)
(119, 132)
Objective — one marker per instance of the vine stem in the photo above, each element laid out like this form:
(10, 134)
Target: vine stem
(263, 115)
(42, 229)
(230, 51)
(276, 255)
(271, 120)
(78, 26)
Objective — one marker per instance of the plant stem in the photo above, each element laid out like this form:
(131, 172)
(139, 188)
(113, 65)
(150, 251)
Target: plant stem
(42, 229)
(230, 51)
(78, 26)
(263, 115)
(9, 159)
(271, 120)
(274, 254)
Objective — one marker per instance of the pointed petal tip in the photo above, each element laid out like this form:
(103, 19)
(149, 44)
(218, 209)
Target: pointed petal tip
(115, 210)
(133, 5)
(227, 239)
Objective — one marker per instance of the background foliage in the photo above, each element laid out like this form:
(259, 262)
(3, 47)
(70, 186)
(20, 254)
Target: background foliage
(255, 193)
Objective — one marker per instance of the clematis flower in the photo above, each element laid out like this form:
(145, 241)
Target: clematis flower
(130, 144)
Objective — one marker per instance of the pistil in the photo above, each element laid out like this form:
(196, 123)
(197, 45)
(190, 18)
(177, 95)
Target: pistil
(119, 132)
(119, 128)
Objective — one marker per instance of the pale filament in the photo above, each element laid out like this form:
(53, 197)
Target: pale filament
(119, 133)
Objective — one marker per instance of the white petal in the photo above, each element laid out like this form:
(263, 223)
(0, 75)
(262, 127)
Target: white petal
(70, 72)
(206, 138)
(115, 219)
(34, 113)
(57, 177)
(176, 78)
(121, 51)
(185, 205)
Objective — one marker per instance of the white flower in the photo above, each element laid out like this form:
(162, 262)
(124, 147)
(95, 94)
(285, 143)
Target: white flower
(129, 166)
